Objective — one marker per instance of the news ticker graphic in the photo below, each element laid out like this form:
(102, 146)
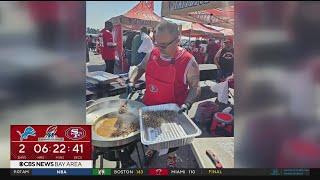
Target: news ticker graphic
(163, 172)
(199, 172)
(50, 146)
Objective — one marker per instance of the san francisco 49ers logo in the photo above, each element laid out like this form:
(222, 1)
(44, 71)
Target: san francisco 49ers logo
(75, 133)
(153, 88)
(154, 58)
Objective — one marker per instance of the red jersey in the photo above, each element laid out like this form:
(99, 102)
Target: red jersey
(165, 81)
(108, 53)
(198, 54)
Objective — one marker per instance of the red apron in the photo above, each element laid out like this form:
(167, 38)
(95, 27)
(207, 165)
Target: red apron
(165, 80)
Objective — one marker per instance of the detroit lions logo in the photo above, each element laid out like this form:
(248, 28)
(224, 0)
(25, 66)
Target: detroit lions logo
(28, 131)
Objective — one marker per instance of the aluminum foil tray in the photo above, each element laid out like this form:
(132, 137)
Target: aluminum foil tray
(174, 133)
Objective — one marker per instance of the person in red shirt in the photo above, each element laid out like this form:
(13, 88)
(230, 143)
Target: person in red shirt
(197, 52)
(172, 76)
(212, 50)
(108, 47)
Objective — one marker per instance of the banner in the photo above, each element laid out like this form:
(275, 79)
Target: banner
(218, 13)
(183, 7)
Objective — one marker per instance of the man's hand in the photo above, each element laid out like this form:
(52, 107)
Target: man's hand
(131, 87)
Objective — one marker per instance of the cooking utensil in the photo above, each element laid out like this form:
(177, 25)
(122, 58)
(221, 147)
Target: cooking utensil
(214, 159)
(102, 107)
(123, 107)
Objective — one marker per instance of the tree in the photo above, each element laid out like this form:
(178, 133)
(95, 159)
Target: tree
(92, 31)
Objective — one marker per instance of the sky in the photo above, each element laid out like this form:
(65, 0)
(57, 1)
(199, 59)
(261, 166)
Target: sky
(97, 12)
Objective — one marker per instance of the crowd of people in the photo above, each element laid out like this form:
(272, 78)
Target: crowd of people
(138, 44)
(215, 51)
(212, 51)
(137, 47)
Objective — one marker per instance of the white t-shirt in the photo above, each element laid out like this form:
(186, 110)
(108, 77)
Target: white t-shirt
(147, 44)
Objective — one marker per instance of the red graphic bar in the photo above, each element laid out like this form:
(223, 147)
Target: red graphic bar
(158, 172)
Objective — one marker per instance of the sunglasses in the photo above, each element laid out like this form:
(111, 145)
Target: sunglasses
(165, 45)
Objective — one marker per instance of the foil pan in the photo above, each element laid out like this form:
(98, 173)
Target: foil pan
(175, 133)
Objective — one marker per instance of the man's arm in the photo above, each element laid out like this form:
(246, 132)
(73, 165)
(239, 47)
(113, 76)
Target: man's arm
(216, 58)
(139, 70)
(193, 78)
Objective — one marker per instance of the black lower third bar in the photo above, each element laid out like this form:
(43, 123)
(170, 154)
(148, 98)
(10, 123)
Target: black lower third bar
(315, 172)
(4, 172)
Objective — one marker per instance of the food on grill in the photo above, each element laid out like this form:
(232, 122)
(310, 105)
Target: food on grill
(125, 130)
(106, 126)
(123, 109)
(154, 119)
(115, 127)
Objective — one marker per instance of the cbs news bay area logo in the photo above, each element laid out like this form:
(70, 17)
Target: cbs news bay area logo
(55, 146)
(51, 164)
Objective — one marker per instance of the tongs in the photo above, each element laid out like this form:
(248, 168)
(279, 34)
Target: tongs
(123, 107)
(129, 97)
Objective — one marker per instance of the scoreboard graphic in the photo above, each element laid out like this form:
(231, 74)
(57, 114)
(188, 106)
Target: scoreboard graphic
(66, 150)
(50, 146)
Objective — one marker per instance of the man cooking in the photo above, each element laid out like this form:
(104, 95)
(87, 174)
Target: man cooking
(172, 75)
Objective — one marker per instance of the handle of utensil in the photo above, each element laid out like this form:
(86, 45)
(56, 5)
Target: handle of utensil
(214, 159)
(130, 95)
(129, 90)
